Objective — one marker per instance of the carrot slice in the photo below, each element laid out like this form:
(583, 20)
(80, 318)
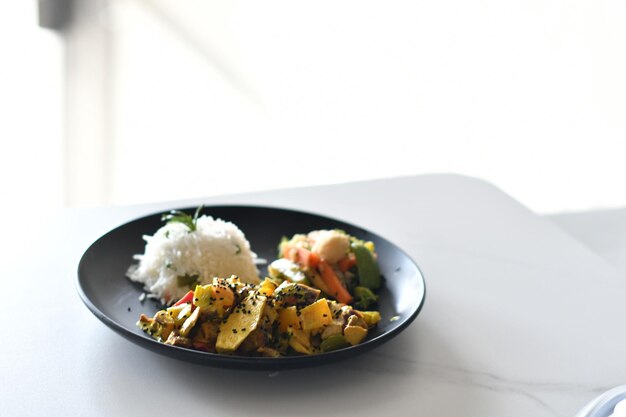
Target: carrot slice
(346, 262)
(331, 280)
(314, 260)
(301, 256)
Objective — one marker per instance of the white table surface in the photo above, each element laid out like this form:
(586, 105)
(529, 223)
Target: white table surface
(602, 231)
(520, 319)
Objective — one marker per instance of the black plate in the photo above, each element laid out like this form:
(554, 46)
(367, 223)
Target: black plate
(104, 288)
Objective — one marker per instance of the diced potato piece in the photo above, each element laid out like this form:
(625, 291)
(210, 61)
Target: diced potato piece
(354, 334)
(240, 323)
(288, 320)
(316, 315)
(300, 341)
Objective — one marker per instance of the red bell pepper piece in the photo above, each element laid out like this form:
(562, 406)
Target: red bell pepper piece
(187, 298)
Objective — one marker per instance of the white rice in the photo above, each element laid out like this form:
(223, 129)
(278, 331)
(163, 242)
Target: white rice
(215, 248)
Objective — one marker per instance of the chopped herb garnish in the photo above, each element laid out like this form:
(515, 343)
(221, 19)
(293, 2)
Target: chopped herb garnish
(177, 216)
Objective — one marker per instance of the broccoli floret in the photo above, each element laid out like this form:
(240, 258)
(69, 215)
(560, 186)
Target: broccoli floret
(365, 298)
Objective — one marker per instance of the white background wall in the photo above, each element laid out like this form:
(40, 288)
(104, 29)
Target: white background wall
(214, 97)
(173, 99)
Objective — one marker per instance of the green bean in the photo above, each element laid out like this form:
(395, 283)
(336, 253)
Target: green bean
(334, 342)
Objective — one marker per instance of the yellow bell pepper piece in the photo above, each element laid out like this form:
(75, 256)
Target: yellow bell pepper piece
(288, 320)
(316, 315)
(267, 287)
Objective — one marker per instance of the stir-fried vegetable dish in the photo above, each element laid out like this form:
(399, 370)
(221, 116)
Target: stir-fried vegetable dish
(317, 298)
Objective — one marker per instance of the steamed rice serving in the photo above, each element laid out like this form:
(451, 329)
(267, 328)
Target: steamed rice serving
(176, 258)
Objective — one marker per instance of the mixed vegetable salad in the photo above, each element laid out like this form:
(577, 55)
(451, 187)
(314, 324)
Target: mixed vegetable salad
(341, 266)
(320, 296)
